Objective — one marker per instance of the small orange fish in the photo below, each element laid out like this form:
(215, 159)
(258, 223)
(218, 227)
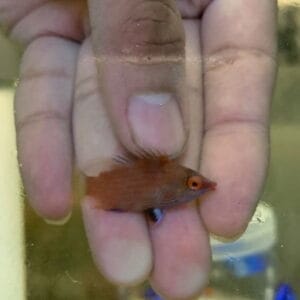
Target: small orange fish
(146, 183)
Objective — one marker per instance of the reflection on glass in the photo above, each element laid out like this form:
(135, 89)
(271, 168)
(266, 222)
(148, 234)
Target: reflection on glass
(263, 263)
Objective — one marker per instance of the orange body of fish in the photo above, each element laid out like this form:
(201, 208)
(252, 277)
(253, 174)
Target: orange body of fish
(146, 183)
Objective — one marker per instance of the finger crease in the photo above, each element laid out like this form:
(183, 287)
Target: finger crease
(28, 11)
(226, 56)
(168, 6)
(234, 124)
(51, 33)
(33, 74)
(83, 96)
(86, 80)
(161, 43)
(41, 116)
(153, 20)
(140, 60)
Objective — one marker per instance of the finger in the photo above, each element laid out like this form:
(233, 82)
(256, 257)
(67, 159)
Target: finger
(21, 19)
(139, 52)
(119, 242)
(239, 66)
(180, 242)
(43, 107)
(182, 254)
(11, 10)
(95, 143)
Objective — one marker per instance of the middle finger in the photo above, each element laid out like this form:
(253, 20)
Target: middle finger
(119, 242)
(180, 241)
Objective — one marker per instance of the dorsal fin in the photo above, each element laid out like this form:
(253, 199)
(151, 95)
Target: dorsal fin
(122, 159)
(154, 155)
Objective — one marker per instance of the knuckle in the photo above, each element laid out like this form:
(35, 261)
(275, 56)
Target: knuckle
(154, 28)
(229, 55)
(40, 116)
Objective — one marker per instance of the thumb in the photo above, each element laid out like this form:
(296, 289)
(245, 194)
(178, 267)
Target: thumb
(139, 49)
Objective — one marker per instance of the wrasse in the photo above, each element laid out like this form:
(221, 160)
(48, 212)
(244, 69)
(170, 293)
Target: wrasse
(148, 183)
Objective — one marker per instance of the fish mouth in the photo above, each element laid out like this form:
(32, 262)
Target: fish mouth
(208, 185)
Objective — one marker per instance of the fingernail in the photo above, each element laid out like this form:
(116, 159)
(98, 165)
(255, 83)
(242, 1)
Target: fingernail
(59, 222)
(156, 122)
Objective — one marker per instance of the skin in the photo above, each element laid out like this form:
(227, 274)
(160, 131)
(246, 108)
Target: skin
(223, 98)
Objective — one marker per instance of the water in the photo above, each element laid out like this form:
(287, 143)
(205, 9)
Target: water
(58, 260)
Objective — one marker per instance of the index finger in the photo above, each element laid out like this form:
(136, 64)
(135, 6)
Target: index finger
(239, 48)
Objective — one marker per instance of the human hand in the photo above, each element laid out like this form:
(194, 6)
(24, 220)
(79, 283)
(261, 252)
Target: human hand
(222, 90)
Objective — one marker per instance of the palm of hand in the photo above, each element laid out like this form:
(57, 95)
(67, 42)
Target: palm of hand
(59, 103)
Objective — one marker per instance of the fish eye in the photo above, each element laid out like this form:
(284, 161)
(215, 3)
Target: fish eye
(194, 183)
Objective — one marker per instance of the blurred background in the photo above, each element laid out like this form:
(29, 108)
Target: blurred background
(58, 260)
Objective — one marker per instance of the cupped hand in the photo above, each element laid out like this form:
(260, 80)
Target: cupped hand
(164, 75)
